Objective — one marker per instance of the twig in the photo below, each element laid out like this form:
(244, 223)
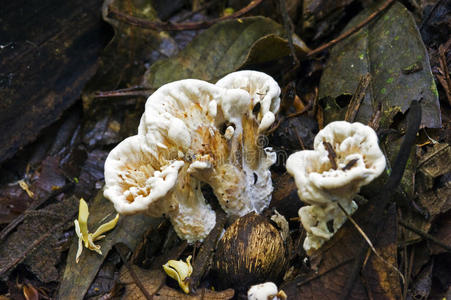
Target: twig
(425, 235)
(34, 205)
(132, 272)
(331, 154)
(288, 24)
(168, 26)
(376, 117)
(446, 81)
(352, 30)
(413, 125)
(135, 91)
(357, 98)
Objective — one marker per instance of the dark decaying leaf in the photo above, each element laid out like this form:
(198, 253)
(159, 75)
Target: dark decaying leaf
(78, 277)
(391, 50)
(272, 47)
(34, 241)
(153, 281)
(219, 50)
(378, 278)
(43, 65)
(320, 17)
(122, 65)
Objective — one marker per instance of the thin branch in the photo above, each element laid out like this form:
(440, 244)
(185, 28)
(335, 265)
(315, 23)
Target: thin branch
(136, 91)
(357, 98)
(288, 24)
(425, 235)
(352, 30)
(168, 26)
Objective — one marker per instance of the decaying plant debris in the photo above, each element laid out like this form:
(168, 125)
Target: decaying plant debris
(67, 103)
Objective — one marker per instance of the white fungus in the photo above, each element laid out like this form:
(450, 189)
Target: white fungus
(346, 156)
(194, 133)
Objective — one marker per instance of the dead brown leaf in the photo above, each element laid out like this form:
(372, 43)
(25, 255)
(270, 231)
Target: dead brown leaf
(34, 240)
(378, 278)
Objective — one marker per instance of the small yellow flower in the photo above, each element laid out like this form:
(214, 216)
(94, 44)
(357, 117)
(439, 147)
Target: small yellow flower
(81, 228)
(180, 271)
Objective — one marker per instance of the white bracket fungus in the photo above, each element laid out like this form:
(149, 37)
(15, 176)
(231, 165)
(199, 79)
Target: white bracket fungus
(346, 156)
(194, 133)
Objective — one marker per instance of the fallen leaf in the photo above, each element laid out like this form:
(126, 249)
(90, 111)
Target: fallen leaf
(272, 47)
(77, 278)
(34, 240)
(153, 281)
(391, 50)
(335, 260)
(219, 50)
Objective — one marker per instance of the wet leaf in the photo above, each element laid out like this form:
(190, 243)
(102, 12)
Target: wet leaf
(391, 50)
(219, 50)
(335, 262)
(272, 47)
(153, 281)
(44, 64)
(34, 241)
(78, 277)
(443, 233)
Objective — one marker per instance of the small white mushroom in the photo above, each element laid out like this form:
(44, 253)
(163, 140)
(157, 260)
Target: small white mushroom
(346, 156)
(194, 133)
(265, 291)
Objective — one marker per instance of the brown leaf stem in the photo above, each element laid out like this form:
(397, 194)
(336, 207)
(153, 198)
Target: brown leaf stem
(425, 235)
(169, 26)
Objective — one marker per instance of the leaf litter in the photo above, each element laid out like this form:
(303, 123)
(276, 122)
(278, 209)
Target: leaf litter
(141, 60)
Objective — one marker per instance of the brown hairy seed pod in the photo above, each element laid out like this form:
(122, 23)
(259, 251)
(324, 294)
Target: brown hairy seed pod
(251, 251)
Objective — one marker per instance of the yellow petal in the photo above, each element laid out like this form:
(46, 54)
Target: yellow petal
(77, 229)
(79, 250)
(83, 214)
(180, 271)
(104, 228)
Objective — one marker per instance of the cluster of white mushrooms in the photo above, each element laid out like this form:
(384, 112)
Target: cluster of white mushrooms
(193, 133)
